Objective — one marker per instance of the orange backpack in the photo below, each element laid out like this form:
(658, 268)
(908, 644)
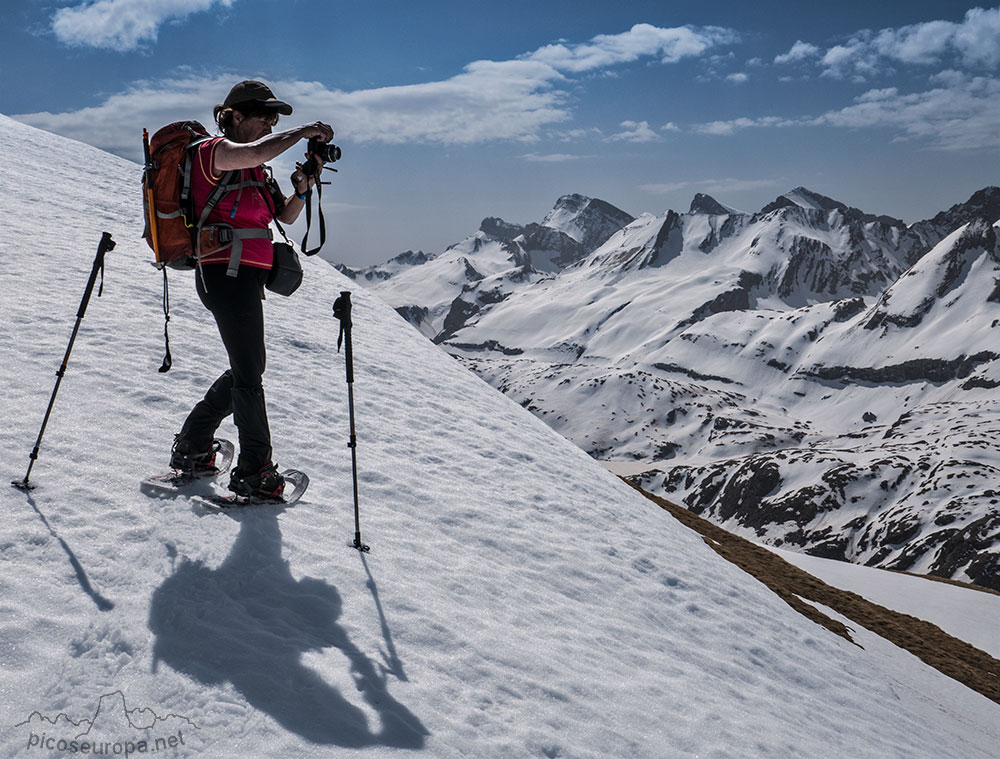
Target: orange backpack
(166, 184)
(167, 204)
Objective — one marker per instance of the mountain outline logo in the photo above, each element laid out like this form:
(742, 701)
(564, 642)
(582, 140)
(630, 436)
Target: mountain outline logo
(112, 725)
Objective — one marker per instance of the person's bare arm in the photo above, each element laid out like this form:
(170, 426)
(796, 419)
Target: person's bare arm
(230, 156)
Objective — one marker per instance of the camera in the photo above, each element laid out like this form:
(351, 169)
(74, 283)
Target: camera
(326, 151)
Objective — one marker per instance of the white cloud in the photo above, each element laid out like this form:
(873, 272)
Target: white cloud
(873, 95)
(919, 43)
(642, 40)
(725, 128)
(960, 113)
(725, 185)
(507, 100)
(122, 24)
(732, 126)
(665, 188)
(973, 42)
(858, 59)
(978, 37)
(489, 100)
(551, 157)
(670, 127)
(738, 78)
(737, 185)
(960, 116)
(484, 103)
(116, 124)
(949, 78)
(635, 131)
(800, 51)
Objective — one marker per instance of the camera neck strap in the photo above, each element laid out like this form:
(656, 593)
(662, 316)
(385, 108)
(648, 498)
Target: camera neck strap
(322, 221)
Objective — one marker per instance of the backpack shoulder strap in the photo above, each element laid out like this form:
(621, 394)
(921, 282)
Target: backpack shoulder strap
(189, 154)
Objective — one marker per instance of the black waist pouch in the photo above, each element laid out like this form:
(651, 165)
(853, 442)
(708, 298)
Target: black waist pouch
(286, 271)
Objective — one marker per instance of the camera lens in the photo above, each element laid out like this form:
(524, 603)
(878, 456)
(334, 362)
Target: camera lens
(330, 153)
(326, 151)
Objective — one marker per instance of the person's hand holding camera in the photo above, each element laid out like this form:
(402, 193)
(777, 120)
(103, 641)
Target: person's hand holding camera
(319, 152)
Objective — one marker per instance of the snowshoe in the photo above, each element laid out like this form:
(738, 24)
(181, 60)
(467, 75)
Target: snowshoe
(294, 485)
(206, 465)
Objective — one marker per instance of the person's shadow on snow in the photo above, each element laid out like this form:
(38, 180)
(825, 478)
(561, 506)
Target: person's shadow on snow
(249, 622)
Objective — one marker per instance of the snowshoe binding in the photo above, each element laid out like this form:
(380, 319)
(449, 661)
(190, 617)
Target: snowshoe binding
(188, 466)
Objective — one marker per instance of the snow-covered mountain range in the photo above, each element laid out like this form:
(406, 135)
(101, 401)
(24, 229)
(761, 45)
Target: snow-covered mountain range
(448, 290)
(474, 627)
(811, 374)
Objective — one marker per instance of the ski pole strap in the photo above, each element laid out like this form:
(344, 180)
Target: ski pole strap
(167, 360)
(105, 245)
(322, 221)
(340, 337)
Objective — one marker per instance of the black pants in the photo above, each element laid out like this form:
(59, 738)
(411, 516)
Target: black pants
(235, 302)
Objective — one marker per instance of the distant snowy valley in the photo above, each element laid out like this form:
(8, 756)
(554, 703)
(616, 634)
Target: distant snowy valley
(810, 375)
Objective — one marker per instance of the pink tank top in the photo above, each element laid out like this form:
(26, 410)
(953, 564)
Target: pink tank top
(253, 209)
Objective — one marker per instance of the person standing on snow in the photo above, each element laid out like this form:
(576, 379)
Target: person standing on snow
(233, 295)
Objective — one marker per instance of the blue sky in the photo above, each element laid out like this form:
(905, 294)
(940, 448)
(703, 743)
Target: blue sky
(448, 111)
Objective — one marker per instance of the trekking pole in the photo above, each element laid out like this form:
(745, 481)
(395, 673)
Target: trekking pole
(105, 245)
(342, 311)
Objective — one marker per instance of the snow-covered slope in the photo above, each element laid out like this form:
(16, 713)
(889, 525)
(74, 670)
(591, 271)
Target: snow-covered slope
(476, 626)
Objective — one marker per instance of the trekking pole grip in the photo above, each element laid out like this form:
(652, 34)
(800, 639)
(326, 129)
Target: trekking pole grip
(106, 244)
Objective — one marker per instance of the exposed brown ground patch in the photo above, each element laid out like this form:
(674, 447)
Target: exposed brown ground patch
(955, 658)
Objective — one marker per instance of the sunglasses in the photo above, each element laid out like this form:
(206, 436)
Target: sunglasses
(269, 118)
(268, 115)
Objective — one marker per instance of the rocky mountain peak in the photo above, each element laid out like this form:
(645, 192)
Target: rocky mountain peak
(804, 198)
(409, 258)
(987, 203)
(405, 260)
(589, 221)
(706, 204)
(984, 204)
(572, 203)
(496, 227)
